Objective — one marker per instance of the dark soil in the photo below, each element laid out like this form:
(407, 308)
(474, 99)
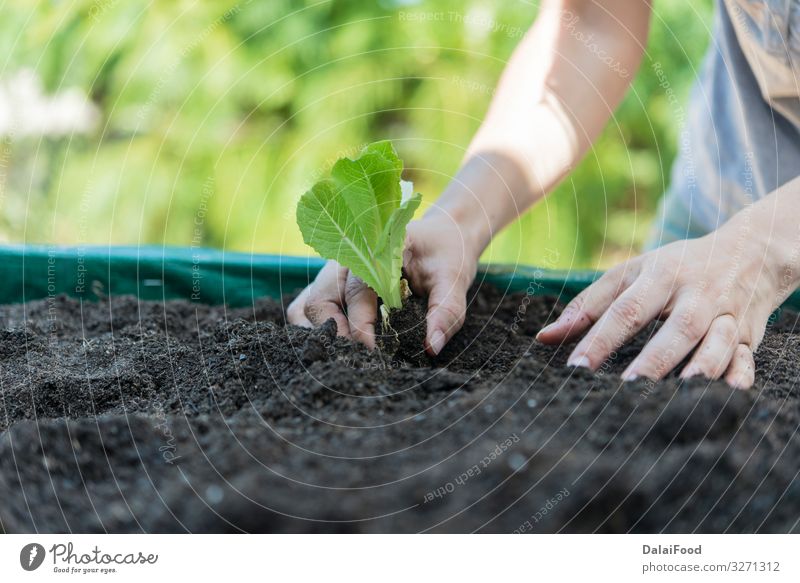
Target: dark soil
(130, 416)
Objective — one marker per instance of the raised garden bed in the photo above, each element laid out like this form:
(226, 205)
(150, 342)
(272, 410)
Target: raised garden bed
(124, 416)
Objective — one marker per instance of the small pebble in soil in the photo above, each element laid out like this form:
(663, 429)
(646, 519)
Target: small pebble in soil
(517, 461)
(214, 494)
(532, 403)
(242, 357)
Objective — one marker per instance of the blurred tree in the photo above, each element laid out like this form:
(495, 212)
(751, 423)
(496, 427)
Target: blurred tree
(217, 115)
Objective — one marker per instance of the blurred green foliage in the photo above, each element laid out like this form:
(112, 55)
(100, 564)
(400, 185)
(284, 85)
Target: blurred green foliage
(217, 115)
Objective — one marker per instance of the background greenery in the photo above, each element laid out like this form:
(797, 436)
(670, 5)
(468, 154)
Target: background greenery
(215, 116)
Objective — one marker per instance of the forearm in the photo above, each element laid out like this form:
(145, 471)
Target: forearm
(562, 84)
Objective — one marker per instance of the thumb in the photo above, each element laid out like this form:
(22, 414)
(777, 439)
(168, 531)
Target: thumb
(447, 307)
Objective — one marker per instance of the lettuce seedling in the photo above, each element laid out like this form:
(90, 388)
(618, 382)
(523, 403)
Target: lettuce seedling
(358, 217)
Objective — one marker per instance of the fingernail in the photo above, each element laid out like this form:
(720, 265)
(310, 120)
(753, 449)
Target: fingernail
(547, 328)
(437, 341)
(629, 376)
(690, 372)
(740, 383)
(581, 361)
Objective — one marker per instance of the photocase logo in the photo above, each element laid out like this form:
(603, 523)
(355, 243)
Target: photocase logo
(31, 556)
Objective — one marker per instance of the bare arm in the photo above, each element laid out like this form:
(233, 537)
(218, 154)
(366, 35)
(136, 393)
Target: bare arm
(562, 84)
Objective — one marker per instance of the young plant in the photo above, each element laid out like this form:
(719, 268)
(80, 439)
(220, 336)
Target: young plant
(358, 217)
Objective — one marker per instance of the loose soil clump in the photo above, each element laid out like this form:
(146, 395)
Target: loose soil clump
(129, 416)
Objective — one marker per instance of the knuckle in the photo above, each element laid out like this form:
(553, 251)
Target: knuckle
(727, 328)
(455, 313)
(703, 284)
(626, 312)
(667, 263)
(354, 288)
(622, 270)
(629, 277)
(578, 305)
(694, 329)
(690, 326)
(412, 244)
(716, 288)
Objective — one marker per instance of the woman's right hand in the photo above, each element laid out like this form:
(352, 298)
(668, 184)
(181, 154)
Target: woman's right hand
(440, 262)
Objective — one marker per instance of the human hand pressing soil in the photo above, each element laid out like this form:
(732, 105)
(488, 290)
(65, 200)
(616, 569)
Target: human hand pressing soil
(715, 294)
(440, 262)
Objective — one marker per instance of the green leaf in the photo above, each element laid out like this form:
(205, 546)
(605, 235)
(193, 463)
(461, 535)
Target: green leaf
(357, 217)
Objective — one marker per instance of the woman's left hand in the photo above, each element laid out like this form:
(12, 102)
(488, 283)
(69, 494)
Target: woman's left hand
(715, 294)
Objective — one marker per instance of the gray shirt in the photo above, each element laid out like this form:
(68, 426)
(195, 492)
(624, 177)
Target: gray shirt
(741, 139)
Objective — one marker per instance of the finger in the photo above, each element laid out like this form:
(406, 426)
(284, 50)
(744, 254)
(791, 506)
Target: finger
(447, 308)
(683, 330)
(712, 357)
(636, 307)
(362, 310)
(326, 298)
(585, 308)
(741, 373)
(295, 313)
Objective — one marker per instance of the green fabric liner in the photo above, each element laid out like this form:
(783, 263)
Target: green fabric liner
(210, 276)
